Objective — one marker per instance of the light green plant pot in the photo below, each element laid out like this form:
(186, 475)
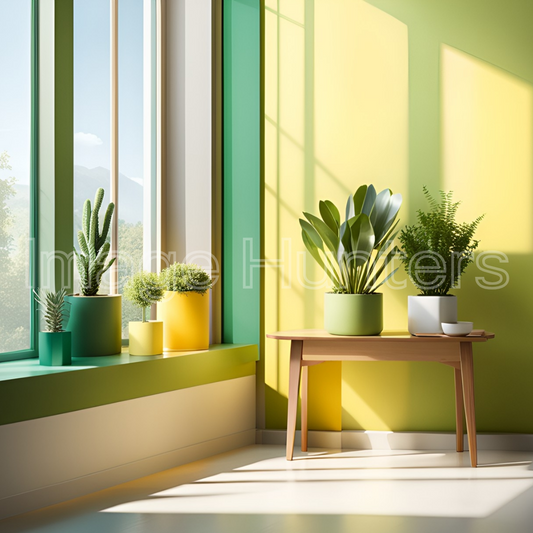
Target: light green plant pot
(55, 348)
(353, 314)
(96, 325)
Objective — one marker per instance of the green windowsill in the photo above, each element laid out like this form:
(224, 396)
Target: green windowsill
(29, 391)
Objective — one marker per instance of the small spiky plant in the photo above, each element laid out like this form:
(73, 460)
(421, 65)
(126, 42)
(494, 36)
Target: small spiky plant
(181, 277)
(91, 262)
(144, 289)
(53, 307)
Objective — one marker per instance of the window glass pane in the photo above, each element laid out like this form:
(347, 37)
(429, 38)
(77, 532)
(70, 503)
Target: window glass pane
(92, 96)
(15, 158)
(130, 132)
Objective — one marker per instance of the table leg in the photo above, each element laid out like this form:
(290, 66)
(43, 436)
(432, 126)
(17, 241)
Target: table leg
(303, 414)
(467, 370)
(294, 385)
(459, 410)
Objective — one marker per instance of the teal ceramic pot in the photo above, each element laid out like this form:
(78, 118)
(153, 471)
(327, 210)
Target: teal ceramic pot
(353, 314)
(55, 348)
(96, 325)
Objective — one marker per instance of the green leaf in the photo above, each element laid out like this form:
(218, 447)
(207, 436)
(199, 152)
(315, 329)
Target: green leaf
(362, 239)
(374, 289)
(334, 211)
(350, 209)
(328, 217)
(388, 258)
(388, 217)
(379, 213)
(313, 250)
(395, 203)
(330, 238)
(359, 199)
(370, 198)
(346, 238)
(312, 234)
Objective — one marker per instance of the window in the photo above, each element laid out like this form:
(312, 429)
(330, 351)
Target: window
(16, 180)
(93, 116)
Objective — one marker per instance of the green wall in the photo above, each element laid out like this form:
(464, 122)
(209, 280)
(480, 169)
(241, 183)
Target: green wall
(241, 181)
(404, 93)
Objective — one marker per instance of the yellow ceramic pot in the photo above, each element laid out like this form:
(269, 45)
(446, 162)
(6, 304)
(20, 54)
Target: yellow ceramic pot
(186, 319)
(146, 338)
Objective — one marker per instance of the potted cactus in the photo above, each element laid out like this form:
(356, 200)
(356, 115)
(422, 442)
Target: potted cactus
(184, 309)
(144, 289)
(95, 319)
(435, 252)
(354, 255)
(54, 342)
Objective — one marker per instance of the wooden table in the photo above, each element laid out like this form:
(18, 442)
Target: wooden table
(312, 347)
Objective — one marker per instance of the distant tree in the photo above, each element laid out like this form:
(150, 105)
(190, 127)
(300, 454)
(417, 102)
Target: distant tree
(130, 261)
(7, 191)
(14, 287)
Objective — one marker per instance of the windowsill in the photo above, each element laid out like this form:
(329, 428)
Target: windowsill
(29, 391)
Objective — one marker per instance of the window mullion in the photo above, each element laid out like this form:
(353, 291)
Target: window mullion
(114, 143)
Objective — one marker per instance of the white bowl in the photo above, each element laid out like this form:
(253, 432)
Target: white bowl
(457, 329)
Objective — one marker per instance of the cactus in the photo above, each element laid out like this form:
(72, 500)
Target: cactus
(94, 247)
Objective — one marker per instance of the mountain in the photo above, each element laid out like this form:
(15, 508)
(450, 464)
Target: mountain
(88, 180)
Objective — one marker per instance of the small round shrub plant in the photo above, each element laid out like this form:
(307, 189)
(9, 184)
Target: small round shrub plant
(144, 289)
(184, 278)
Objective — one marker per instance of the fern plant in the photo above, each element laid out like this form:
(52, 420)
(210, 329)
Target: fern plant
(182, 277)
(92, 260)
(53, 308)
(354, 253)
(144, 289)
(437, 250)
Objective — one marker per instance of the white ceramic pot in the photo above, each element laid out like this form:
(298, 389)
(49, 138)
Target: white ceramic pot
(426, 313)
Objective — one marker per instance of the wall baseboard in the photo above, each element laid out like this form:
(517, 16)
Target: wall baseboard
(389, 440)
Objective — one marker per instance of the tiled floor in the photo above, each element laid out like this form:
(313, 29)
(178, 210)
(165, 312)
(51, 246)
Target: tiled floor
(255, 490)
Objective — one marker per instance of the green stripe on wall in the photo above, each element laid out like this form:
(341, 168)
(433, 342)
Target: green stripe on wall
(29, 391)
(242, 172)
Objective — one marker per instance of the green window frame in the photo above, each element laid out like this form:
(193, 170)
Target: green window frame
(32, 352)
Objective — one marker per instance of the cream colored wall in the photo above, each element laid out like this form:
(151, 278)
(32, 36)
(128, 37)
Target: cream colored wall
(57, 458)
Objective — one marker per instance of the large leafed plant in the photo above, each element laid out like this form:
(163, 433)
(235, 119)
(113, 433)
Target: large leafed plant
(355, 253)
(437, 249)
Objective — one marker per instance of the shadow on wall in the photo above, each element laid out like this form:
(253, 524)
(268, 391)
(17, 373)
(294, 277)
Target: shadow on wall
(328, 128)
(359, 93)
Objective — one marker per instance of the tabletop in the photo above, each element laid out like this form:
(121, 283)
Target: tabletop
(477, 335)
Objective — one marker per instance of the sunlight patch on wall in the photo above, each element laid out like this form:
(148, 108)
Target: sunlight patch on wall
(357, 413)
(361, 97)
(336, 116)
(487, 149)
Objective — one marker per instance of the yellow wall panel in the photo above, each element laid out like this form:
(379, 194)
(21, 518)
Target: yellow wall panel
(487, 147)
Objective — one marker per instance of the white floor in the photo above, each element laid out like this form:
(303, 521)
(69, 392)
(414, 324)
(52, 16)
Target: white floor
(255, 490)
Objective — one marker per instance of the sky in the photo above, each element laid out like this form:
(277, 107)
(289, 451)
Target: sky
(91, 85)
(15, 89)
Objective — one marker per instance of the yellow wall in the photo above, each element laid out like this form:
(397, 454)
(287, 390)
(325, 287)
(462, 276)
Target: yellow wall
(398, 94)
